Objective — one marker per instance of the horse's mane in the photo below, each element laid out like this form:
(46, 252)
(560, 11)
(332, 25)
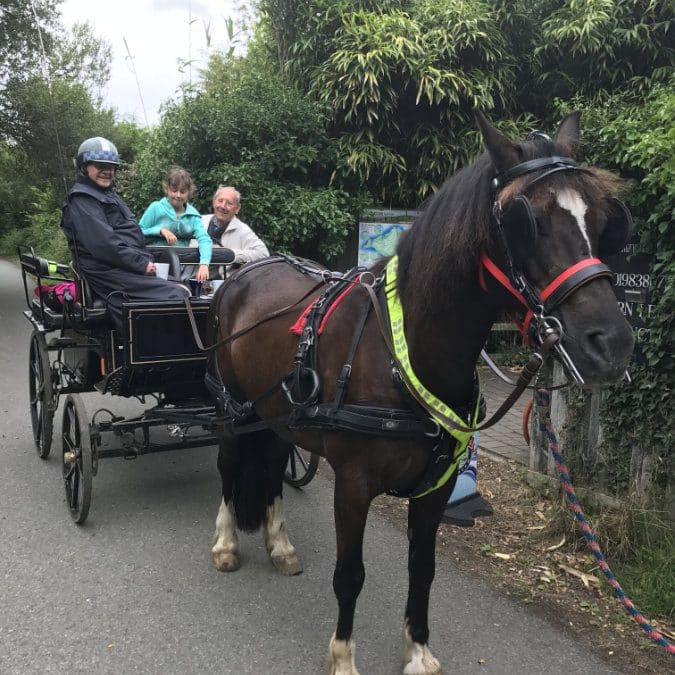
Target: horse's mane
(450, 232)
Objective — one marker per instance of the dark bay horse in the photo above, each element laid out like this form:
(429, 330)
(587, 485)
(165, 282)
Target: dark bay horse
(519, 230)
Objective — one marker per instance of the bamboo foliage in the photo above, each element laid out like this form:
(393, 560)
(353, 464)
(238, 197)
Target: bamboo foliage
(586, 46)
(401, 78)
(395, 80)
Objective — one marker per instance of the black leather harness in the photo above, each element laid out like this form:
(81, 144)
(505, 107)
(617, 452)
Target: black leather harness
(301, 387)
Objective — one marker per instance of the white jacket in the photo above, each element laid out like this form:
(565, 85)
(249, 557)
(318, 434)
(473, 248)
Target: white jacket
(239, 237)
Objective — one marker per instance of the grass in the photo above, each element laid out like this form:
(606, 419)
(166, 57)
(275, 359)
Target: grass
(639, 546)
(650, 580)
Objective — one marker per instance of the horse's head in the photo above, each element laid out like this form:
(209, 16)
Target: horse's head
(552, 223)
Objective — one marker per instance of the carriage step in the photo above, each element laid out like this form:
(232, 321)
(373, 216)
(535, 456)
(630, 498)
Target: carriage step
(62, 341)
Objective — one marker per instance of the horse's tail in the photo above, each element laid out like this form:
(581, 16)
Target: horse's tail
(251, 480)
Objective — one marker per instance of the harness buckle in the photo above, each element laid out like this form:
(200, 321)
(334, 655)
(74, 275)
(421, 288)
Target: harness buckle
(345, 374)
(307, 339)
(436, 430)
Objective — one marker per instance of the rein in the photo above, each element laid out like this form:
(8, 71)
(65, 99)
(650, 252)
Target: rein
(229, 338)
(325, 275)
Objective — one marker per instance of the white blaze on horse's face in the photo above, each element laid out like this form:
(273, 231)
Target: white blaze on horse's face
(571, 201)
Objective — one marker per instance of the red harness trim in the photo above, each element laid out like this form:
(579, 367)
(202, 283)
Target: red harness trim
(524, 327)
(299, 325)
(504, 281)
(557, 282)
(499, 276)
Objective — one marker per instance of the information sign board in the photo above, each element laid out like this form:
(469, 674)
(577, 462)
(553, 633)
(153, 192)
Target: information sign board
(633, 284)
(379, 233)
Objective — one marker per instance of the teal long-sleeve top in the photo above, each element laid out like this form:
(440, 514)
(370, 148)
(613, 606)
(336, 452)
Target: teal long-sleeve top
(188, 225)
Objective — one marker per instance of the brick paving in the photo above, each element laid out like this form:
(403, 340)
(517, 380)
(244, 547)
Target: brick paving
(506, 437)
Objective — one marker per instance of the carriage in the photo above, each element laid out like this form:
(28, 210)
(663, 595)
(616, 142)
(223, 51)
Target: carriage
(75, 349)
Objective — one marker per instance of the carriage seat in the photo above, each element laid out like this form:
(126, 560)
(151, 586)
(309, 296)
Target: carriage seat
(38, 273)
(90, 307)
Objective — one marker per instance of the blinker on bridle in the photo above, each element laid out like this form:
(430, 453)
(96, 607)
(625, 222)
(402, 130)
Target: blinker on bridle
(538, 323)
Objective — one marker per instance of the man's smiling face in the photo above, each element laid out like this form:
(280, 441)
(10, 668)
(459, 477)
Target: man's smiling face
(225, 205)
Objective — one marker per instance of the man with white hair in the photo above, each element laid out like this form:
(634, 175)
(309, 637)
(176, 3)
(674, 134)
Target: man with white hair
(226, 230)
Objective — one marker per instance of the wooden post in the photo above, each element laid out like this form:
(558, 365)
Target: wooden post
(541, 460)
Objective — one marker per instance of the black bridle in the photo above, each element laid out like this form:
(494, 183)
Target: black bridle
(538, 323)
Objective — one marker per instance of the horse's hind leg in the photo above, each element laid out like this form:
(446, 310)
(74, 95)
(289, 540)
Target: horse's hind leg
(352, 502)
(225, 549)
(282, 553)
(424, 516)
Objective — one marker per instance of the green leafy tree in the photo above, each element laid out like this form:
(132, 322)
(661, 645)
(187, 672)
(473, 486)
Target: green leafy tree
(49, 112)
(402, 77)
(19, 23)
(587, 46)
(50, 82)
(80, 56)
(402, 85)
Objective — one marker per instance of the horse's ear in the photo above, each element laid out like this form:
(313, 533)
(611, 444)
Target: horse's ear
(567, 136)
(503, 152)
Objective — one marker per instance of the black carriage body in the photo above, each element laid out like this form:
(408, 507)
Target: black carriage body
(156, 353)
(159, 353)
(75, 348)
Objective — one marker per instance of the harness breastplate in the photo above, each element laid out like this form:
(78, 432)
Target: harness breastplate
(301, 388)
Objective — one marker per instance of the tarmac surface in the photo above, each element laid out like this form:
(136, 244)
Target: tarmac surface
(505, 438)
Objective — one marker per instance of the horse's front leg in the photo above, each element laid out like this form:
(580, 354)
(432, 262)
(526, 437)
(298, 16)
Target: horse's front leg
(225, 548)
(424, 516)
(352, 502)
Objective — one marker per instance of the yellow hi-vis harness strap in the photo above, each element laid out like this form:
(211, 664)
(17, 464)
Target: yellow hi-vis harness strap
(436, 408)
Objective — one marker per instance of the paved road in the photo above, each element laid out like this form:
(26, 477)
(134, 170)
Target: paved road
(133, 590)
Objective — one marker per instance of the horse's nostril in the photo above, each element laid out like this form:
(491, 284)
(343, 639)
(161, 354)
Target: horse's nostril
(597, 344)
(608, 346)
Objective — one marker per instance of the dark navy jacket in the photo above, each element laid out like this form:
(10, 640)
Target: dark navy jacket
(108, 247)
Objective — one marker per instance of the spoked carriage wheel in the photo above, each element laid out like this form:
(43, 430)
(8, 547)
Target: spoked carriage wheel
(302, 466)
(77, 457)
(40, 394)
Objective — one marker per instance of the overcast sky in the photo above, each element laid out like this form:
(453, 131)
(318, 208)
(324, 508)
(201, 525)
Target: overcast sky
(158, 33)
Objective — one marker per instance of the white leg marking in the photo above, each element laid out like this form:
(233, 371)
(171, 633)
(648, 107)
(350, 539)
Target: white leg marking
(340, 659)
(417, 658)
(281, 551)
(225, 542)
(571, 201)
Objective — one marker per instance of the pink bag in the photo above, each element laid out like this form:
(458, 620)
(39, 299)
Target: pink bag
(52, 296)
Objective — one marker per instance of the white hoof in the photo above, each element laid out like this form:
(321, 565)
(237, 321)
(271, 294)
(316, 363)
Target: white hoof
(340, 660)
(225, 545)
(417, 658)
(225, 561)
(289, 565)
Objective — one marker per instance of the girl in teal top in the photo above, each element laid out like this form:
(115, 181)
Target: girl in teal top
(172, 219)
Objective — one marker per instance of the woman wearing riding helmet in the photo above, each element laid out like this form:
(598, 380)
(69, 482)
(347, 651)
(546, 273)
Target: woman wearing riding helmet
(104, 237)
